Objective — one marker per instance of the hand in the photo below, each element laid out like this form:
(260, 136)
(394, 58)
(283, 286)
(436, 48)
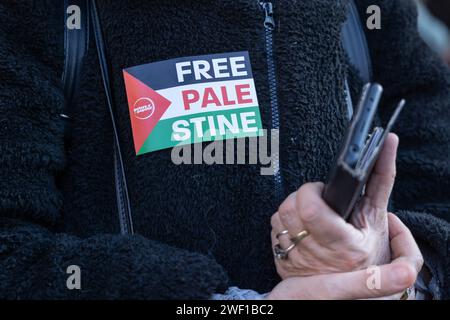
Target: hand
(333, 245)
(395, 277)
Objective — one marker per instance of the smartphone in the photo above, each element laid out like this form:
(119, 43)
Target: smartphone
(358, 154)
(366, 110)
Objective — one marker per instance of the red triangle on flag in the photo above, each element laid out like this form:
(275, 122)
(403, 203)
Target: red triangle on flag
(146, 108)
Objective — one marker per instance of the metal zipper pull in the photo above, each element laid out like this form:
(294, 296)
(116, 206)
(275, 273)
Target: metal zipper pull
(269, 21)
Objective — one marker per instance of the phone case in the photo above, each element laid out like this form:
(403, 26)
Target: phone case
(346, 183)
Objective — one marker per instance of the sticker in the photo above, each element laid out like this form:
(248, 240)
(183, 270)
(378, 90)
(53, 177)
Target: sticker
(193, 99)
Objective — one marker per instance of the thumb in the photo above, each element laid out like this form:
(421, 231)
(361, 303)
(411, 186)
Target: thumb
(382, 178)
(375, 282)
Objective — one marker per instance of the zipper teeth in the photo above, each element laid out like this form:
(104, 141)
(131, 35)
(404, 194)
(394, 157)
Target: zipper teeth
(273, 89)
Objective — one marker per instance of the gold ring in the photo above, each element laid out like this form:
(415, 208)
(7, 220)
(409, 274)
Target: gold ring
(300, 236)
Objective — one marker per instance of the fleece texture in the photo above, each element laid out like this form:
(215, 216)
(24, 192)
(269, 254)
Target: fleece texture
(200, 228)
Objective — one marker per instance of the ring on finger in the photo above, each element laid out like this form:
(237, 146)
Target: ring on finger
(282, 254)
(300, 236)
(282, 233)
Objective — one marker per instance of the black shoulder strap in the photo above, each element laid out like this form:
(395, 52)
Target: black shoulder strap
(123, 200)
(355, 44)
(76, 42)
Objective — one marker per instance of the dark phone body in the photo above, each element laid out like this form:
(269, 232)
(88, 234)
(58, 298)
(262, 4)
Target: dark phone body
(358, 155)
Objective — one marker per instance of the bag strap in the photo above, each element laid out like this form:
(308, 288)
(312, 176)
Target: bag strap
(75, 50)
(123, 200)
(355, 44)
(76, 43)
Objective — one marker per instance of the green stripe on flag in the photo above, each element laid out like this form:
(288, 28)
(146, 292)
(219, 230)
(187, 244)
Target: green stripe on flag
(161, 136)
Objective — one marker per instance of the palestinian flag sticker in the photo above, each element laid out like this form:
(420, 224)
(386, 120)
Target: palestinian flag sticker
(193, 99)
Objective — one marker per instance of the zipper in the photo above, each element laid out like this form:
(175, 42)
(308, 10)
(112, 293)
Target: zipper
(269, 27)
(269, 21)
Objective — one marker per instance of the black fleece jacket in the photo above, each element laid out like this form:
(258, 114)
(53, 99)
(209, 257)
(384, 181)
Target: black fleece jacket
(199, 228)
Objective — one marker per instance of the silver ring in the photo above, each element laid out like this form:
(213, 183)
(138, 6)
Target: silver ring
(282, 233)
(283, 254)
